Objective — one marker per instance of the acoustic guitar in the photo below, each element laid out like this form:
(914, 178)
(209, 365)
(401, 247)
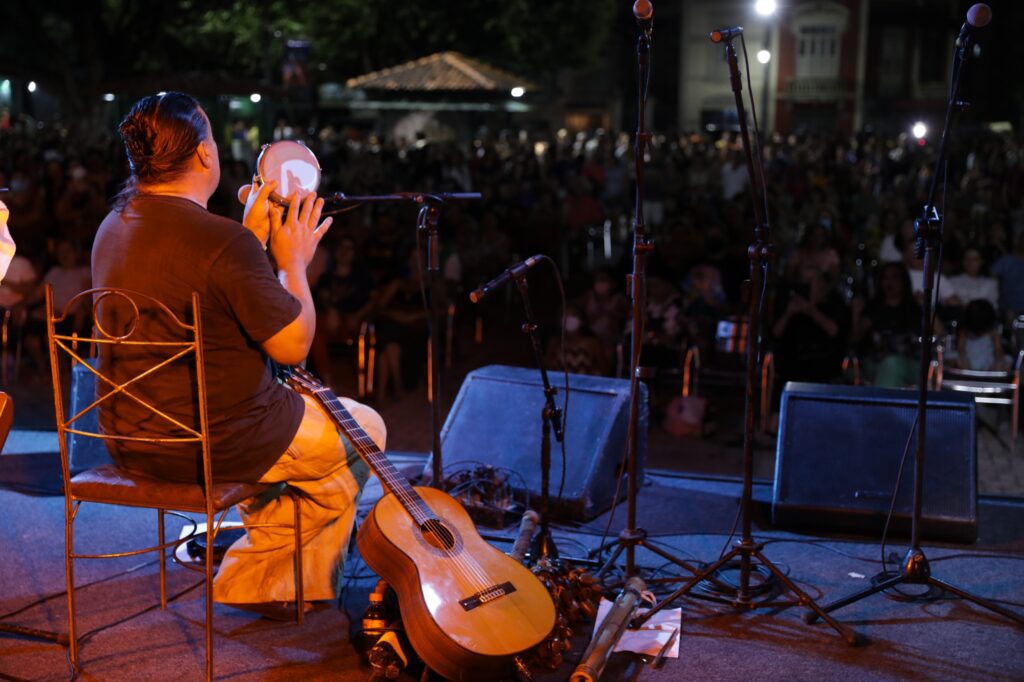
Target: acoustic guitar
(467, 608)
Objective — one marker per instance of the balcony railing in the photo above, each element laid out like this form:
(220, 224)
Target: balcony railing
(817, 89)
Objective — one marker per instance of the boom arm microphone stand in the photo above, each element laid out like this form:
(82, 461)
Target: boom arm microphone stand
(759, 253)
(631, 537)
(427, 222)
(915, 569)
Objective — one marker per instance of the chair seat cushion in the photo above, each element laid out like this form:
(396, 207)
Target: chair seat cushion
(113, 485)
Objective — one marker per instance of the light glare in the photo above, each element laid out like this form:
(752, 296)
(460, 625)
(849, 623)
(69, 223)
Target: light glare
(31, 86)
(109, 97)
(765, 7)
(518, 91)
(919, 130)
(764, 56)
(255, 98)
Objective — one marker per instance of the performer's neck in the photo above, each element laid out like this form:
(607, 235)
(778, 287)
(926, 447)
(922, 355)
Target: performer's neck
(180, 190)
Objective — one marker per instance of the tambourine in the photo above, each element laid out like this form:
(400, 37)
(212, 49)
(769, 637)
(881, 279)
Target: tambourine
(291, 164)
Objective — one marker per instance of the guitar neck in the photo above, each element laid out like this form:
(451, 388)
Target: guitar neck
(389, 476)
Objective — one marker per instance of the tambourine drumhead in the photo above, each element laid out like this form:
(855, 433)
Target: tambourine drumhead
(292, 164)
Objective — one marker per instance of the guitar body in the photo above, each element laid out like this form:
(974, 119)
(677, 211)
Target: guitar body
(467, 608)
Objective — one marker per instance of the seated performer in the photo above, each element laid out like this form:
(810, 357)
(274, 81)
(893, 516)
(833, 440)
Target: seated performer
(160, 240)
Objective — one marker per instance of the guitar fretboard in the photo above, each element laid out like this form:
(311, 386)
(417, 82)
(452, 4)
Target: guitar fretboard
(392, 480)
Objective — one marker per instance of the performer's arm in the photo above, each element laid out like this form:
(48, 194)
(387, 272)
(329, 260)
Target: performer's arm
(292, 244)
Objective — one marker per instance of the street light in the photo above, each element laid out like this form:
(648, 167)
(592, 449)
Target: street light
(764, 56)
(765, 8)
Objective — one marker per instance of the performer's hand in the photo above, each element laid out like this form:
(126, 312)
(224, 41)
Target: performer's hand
(257, 214)
(293, 241)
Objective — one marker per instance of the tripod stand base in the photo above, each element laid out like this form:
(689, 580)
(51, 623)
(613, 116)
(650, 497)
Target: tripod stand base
(747, 550)
(630, 539)
(915, 570)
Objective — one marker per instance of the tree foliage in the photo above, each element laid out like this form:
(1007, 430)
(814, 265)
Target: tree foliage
(77, 47)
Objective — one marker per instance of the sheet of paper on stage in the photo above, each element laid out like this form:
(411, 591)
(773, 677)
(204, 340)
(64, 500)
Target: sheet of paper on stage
(650, 638)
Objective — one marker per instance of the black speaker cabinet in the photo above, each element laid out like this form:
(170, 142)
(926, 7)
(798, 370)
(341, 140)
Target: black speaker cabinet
(839, 452)
(496, 420)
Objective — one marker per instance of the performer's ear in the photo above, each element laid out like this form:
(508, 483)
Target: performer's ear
(205, 154)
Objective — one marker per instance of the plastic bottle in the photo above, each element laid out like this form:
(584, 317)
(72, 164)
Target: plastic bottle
(375, 620)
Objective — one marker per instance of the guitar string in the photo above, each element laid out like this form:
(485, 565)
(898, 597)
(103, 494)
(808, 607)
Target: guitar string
(468, 567)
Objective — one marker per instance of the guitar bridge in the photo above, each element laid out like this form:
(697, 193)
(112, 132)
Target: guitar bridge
(488, 595)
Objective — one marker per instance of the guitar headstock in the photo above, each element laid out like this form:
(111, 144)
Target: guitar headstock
(301, 380)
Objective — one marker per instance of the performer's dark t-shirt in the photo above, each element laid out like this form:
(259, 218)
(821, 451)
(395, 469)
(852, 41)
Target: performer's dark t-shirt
(168, 247)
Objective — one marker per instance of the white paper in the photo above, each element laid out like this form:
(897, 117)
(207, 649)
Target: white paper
(652, 636)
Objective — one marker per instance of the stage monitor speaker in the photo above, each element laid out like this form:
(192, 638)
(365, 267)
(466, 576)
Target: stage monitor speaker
(839, 452)
(496, 420)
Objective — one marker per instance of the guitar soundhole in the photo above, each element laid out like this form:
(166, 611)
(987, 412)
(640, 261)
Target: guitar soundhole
(437, 535)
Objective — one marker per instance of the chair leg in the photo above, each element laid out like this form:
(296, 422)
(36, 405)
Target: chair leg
(69, 571)
(163, 558)
(209, 597)
(300, 599)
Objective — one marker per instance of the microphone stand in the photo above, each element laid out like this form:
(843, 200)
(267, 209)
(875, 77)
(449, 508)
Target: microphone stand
(746, 548)
(915, 569)
(427, 222)
(631, 536)
(543, 545)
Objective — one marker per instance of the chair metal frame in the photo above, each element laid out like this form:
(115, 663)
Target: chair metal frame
(988, 386)
(218, 498)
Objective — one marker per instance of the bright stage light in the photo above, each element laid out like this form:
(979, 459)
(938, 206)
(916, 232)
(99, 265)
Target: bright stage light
(31, 86)
(109, 97)
(764, 56)
(255, 98)
(765, 7)
(518, 91)
(919, 130)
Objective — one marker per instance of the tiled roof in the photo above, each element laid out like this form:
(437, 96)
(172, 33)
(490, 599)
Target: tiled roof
(440, 71)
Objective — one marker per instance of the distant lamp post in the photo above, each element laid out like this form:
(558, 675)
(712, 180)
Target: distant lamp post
(919, 129)
(518, 91)
(766, 9)
(255, 98)
(31, 86)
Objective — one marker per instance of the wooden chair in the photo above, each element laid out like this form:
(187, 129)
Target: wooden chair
(108, 484)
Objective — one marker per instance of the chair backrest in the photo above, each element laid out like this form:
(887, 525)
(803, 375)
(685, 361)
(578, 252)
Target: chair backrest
(994, 386)
(128, 320)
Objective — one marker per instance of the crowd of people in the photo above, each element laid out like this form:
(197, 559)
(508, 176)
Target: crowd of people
(845, 276)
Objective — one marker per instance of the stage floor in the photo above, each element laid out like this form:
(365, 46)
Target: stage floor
(130, 638)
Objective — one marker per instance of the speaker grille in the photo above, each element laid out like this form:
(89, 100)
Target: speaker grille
(839, 453)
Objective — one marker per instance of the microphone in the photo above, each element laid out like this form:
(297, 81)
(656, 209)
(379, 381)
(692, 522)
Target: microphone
(978, 16)
(725, 34)
(643, 10)
(527, 527)
(516, 271)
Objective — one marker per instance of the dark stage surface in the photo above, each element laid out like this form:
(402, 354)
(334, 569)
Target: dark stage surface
(130, 638)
